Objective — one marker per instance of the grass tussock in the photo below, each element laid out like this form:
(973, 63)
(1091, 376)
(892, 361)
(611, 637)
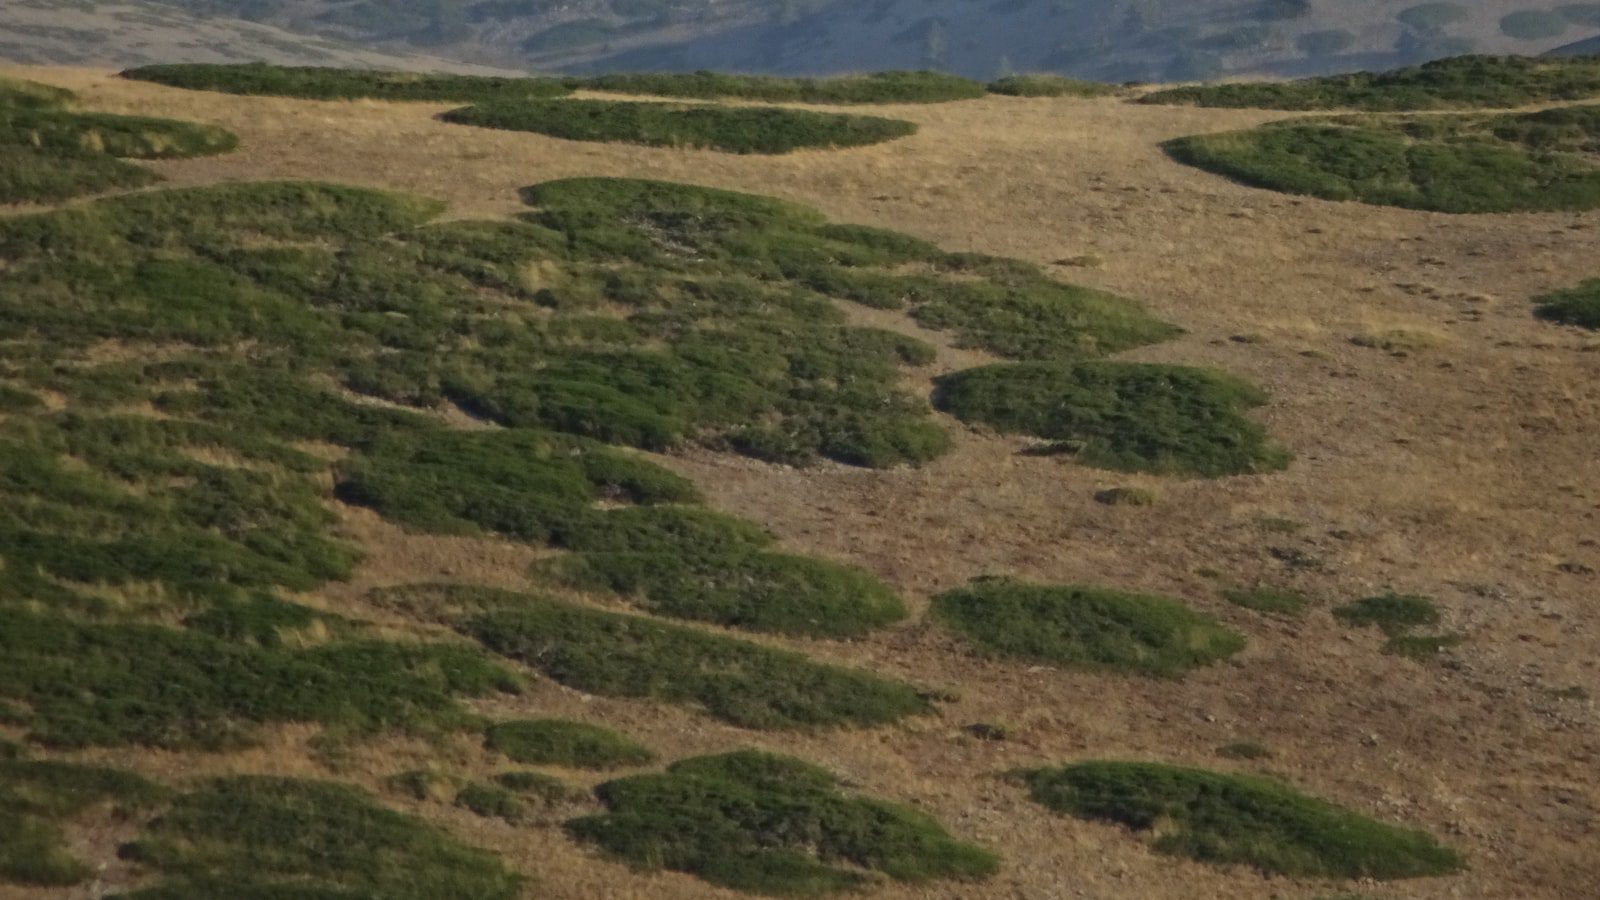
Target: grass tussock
(773, 825)
(1579, 306)
(1085, 627)
(1170, 420)
(558, 742)
(1479, 163)
(1483, 82)
(320, 83)
(1235, 819)
(261, 837)
(618, 655)
(877, 87)
(730, 129)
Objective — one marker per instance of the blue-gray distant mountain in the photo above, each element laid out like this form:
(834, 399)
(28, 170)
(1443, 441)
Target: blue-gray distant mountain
(1115, 40)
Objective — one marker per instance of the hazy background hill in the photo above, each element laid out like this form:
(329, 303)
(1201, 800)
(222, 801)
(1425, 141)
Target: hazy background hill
(1108, 39)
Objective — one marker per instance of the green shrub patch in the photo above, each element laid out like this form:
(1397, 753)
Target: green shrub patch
(1128, 417)
(558, 742)
(1043, 85)
(18, 94)
(628, 656)
(772, 825)
(728, 128)
(117, 683)
(1084, 627)
(537, 787)
(1235, 819)
(1578, 306)
(1392, 614)
(318, 83)
(1517, 162)
(49, 152)
(1397, 615)
(37, 796)
(257, 837)
(878, 87)
(1483, 82)
(694, 564)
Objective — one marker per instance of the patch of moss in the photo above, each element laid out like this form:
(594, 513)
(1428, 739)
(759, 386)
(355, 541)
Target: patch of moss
(557, 742)
(768, 130)
(1125, 416)
(1578, 306)
(1085, 627)
(628, 656)
(322, 83)
(260, 837)
(1263, 598)
(1235, 819)
(771, 825)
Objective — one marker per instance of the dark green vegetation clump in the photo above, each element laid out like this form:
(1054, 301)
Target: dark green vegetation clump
(693, 564)
(536, 787)
(50, 152)
(1474, 163)
(36, 796)
(1398, 616)
(558, 742)
(256, 837)
(1234, 819)
(630, 656)
(771, 825)
(1268, 599)
(878, 87)
(1465, 82)
(1578, 306)
(1085, 627)
(1392, 614)
(318, 83)
(1130, 417)
(732, 129)
(214, 347)
(1246, 750)
(1043, 85)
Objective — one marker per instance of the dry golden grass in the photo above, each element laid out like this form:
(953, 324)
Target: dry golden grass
(1467, 473)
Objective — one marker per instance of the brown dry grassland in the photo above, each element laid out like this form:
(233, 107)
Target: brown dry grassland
(1466, 471)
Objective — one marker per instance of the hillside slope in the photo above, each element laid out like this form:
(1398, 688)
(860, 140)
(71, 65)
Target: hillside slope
(136, 32)
(1443, 441)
